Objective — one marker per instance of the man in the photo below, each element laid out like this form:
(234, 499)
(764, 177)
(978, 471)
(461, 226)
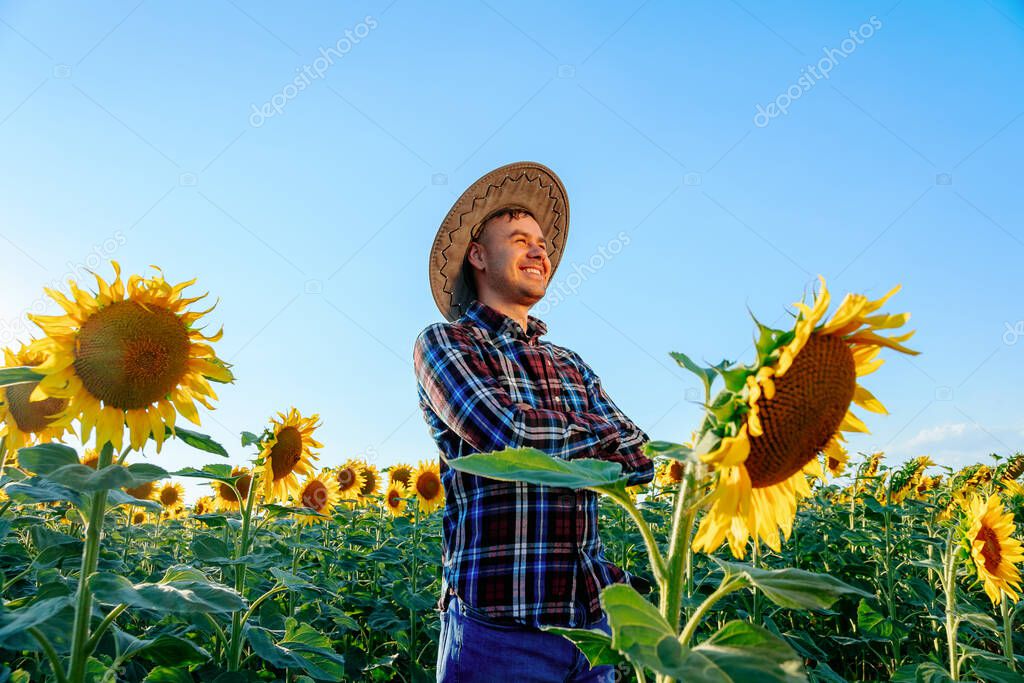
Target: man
(516, 556)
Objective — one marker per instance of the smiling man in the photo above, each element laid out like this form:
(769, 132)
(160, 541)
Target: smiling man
(516, 556)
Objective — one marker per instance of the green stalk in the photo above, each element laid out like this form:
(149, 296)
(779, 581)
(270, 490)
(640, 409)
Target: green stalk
(671, 594)
(414, 554)
(235, 647)
(1004, 607)
(51, 654)
(728, 585)
(890, 582)
(755, 595)
(90, 560)
(658, 567)
(952, 620)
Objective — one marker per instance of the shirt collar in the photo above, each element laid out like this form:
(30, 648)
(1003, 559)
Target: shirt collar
(499, 324)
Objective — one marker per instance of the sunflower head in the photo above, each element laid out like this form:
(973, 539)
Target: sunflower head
(319, 493)
(26, 421)
(350, 479)
(171, 495)
(204, 506)
(139, 517)
(907, 479)
(287, 453)
(225, 497)
(995, 552)
(766, 431)
(401, 472)
(426, 484)
(670, 473)
(146, 491)
(395, 498)
(91, 458)
(370, 487)
(127, 354)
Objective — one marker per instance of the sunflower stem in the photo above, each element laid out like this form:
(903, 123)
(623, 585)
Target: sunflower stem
(729, 584)
(1004, 608)
(90, 560)
(672, 583)
(50, 652)
(890, 580)
(658, 567)
(235, 649)
(755, 560)
(952, 620)
(413, 554)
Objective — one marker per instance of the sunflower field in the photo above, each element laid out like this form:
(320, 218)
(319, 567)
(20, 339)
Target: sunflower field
(771, 553)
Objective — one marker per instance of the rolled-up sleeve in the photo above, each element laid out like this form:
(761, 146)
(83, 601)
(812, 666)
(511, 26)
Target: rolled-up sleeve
(462, 389)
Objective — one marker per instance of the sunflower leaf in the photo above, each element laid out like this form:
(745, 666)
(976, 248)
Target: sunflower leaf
(741, 651)
(669, 450)
(16, 622)
(595, 645)
(46, 457)
(183, 595)
(637, 626)
(250, 439)
(86, 479)
(20, 375)
(163, 649)
(217, 472)
(202, 442)
(302, 647)
(705, 374)
(793, 588)
(537, 467)
(41, 490)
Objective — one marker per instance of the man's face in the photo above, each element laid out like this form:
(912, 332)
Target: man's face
(512, 255)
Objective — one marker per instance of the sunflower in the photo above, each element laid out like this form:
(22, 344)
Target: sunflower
(175, 512)
(350, 479)
(129, 354)
(139, 517)
(1014, 467)
(670, 473)
(906, 480)
(146, 491)
(204, 506)
(765, 430)
(225, 496)
(371, 482)
(287, 453)
(400, 472)
(995, 552)
(395, 498)
(318, 493)
(25, 420)
(426, 484)
(171, 495)
(836, 457)
(91, 458)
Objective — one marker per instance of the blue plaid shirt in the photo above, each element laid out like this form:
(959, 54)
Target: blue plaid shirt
(519, 552)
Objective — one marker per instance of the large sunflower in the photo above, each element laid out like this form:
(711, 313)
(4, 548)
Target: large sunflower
(765, 431)
(350, 479)
(128, 354)
(996, 553)
(27, 421)
(225, 496)
(287, 453)
(318, 493)
(426, 484)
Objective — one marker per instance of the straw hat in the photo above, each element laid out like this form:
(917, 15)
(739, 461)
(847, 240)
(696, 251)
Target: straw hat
(524, 184)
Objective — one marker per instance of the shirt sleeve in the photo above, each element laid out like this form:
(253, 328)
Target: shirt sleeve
(631, 438)
(461, 388)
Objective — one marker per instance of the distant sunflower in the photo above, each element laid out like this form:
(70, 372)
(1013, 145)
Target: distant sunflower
(146, 491)
(287, 453)
(906, 480)
(27, 421)
(139, 517)
(401, 473)
(426, 484)
(225, 496)
(204, 506)
(395, 498)
(175, 512)
(91, 458)
(350, 479)
(171, 495)
(670, 473)
(995, 552)
(318, 493)
(129, 354)
(836, 457)
(370, 488)
(765, 431)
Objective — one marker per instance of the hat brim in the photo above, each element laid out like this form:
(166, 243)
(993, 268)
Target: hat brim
(524, 184)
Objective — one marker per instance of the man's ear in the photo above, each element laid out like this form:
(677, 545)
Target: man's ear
(474, 255)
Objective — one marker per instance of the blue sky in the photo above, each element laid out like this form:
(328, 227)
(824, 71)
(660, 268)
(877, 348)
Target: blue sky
(176, 134)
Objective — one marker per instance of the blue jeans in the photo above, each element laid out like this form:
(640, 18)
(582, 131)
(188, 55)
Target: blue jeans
(474, 648)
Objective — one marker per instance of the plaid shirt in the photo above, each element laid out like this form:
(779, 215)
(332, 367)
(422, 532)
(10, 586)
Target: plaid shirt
(520, 552)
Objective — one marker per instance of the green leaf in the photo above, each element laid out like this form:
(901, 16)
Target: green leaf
(994, 672)
(928, 672)
(741, 652)
(19, 375)
(46, 457)
(793, 588)
(302, 647)
(536, 467)
(84, 479)
(871, 622)
(168, 674)
(182, 596)
(16, 622)
(250, 439)
(202, 442)
(40, 490)
(217, 472)
(637, 626)
(980, 620)
(165, 649)
(704, 374)
(668, 449)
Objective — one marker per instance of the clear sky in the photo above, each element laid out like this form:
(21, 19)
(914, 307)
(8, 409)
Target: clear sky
(298, 159)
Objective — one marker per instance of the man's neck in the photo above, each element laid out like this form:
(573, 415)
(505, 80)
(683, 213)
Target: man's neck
(517, 312)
